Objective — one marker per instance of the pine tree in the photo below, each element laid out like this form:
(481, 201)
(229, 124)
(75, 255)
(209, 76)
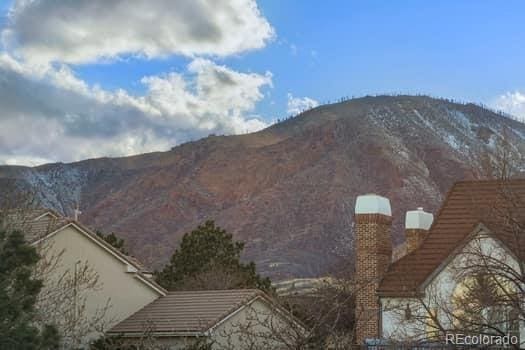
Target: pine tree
(114, 241)
(209, 258)
(18, 295)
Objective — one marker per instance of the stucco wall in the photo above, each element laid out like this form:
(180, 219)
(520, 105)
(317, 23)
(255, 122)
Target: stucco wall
(124, 292)
(255, 324)
(438, 293)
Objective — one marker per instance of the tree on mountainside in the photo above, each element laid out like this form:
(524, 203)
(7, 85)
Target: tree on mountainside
(502, 162)
(209, 258)
(114, 241)
(18, 295)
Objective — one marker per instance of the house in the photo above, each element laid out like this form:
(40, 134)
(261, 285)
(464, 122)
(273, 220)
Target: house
(430, 289)
(89, 286)
(227, 319)
(91, 289)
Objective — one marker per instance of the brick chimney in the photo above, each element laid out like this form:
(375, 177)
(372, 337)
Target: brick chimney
(417, 224)
(373, 218)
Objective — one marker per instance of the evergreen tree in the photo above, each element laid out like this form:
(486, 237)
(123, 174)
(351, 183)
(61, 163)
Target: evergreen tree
(209, 258)
(114, 241)
(18, 295)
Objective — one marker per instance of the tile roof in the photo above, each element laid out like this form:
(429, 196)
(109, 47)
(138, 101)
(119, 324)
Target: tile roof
(468, 204)
(33, 222)
(186, 311)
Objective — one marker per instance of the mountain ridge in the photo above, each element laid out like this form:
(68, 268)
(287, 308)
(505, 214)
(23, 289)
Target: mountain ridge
(288, 190)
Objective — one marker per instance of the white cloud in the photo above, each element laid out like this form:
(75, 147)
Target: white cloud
(297, 105)
(83, 31)
(48, 114)
(218, 101)
(512, 103)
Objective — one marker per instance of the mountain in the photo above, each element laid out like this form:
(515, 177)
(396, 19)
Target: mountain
(288, 190)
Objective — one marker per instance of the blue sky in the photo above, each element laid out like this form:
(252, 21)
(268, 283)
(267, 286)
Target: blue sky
(316, 52)
(469, 50)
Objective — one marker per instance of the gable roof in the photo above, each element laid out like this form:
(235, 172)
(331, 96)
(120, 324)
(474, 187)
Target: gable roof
(187, 312)
(468, 204)
(35, 223)
(40, 224)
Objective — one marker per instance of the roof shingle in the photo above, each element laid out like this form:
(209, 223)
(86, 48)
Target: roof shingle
(467, 204)
(186, 311)
(33, 222)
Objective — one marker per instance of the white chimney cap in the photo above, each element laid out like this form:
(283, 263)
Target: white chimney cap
(418, 219)
(372, 204)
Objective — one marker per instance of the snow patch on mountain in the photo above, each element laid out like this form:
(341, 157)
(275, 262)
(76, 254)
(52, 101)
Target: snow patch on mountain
(423, 120)
(452, 141)
(58, 187)
(287, 191)
(461, 119)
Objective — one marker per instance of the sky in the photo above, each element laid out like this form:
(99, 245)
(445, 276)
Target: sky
(90, 78)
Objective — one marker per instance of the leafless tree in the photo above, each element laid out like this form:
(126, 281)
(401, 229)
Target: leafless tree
(64, 299)
(262, 329)
(327, 313)
(144, 341)
(483, 288)
(328, 318)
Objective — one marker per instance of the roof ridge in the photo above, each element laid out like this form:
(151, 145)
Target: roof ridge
(495, 181)
(438, 214)
(60, 222)
(225, 306)
(125, 257)
(244, 301)
(215, 290)
(462, 209)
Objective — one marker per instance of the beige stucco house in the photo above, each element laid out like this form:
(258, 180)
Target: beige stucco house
(92, 289)
(89, 286)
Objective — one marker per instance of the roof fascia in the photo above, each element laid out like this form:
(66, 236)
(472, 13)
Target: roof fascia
(479, 228)
(106, 248)
(49, 212)
(282, 312)
(157, 334)
(232, 313)
(145, 280)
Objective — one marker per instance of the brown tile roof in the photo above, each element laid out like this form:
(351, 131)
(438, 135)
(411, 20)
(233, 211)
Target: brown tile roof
(186, 312)
(468, 204)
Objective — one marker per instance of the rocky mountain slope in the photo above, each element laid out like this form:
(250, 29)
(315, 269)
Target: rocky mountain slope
(289, 190)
